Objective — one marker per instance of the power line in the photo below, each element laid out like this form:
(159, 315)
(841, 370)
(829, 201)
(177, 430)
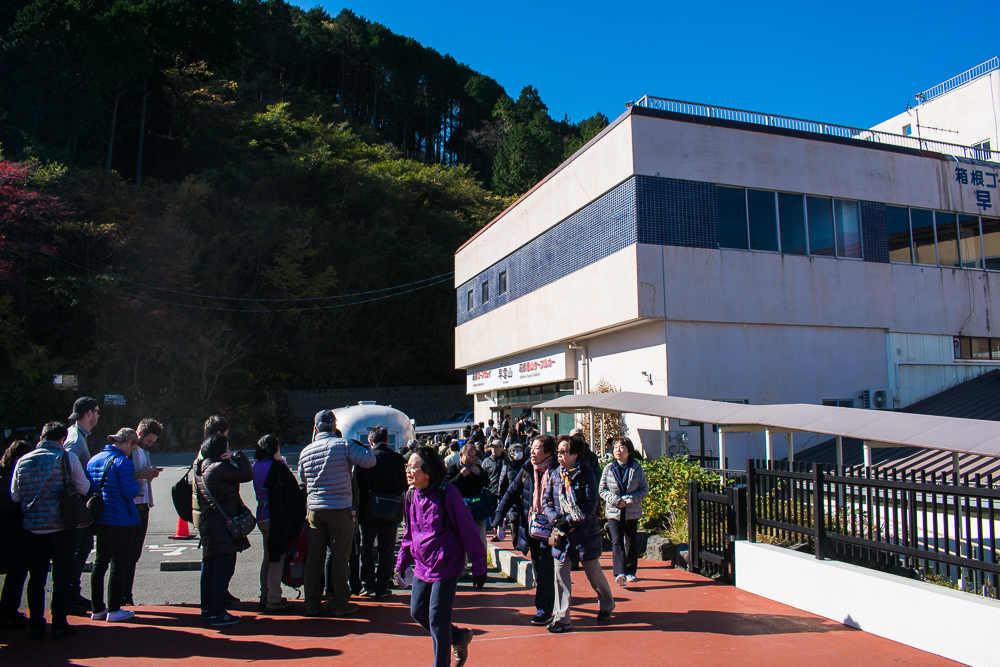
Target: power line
(227, 310)
(208, 296)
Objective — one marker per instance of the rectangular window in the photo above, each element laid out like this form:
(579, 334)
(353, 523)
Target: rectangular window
(732, 218)
(978, 349)
(763, 220)
(820, 226)
(792, 218)
(502, 287)
(847, 218)
(969, 241)
(907, 130)
(839, 402)
(947, 239)
(991, 243)
(897, 223)
(486, 291)
(471, 301)
(922, 223)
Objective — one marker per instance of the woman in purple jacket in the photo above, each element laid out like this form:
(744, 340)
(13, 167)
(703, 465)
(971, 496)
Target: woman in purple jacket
(439, 531)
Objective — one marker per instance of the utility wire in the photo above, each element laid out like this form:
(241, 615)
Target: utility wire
(208, 296)
(225, 310)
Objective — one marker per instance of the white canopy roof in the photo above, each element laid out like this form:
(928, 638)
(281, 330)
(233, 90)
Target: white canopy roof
(965, 436)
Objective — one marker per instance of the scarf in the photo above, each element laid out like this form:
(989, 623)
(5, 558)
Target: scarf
(567, 499)
(541, 471)
(620, 471)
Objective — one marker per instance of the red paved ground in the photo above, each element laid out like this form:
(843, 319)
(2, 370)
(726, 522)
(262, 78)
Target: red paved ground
(670, 617)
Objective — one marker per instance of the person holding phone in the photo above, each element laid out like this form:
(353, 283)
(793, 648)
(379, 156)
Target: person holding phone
(148, 431)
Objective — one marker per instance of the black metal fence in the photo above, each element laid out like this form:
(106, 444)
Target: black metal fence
(938, 525)
(716, 518)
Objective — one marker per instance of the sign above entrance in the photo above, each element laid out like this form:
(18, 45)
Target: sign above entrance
(549, 365)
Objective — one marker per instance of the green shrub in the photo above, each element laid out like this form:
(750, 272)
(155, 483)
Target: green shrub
(665, 510)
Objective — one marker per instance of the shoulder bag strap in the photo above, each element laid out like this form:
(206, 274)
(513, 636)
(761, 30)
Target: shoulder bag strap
(204, 485)
(107, 466)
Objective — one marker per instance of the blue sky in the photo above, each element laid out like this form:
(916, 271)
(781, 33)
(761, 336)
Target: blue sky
(852, 63)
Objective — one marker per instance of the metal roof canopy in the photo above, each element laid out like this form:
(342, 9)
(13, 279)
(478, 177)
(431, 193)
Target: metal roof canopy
(877, 427)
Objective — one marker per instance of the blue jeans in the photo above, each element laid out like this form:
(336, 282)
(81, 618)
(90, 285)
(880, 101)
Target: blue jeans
(215, 575)
(430, 606)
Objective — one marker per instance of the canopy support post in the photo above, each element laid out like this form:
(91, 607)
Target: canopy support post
(767, 444)
(722, 449)
(868, 454)
(791, 450)
(663, 436)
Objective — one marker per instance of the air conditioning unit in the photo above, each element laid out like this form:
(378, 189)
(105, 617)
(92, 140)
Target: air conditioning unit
(876, 399)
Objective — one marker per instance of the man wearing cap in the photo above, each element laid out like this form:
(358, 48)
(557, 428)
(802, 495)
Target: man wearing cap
(148, 431)
(325, 469)
(113, 473)
(86, 412)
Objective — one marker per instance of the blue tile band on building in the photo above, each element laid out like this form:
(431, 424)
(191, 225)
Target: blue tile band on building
(596, 231)
(677, 213)
(874, 234)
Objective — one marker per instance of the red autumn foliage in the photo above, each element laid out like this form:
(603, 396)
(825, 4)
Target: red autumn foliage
(20, 207)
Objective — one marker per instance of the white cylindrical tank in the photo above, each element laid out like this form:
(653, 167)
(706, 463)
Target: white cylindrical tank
(354, 421)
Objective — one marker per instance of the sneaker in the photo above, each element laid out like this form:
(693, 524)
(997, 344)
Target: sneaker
(461, 650)
(120, 616)
(99, 615)
(82, 602)
(541, 618)
(631, 578)
(78, 610)
(366, 593)
(262, 605)
(621, 580)
(63, 631)
(557, 627)
(382, 593)
(206, 615)
(16, 622)
(129, 602)
(277, 607)
(344, 610)
(225, 619)
(605, 614)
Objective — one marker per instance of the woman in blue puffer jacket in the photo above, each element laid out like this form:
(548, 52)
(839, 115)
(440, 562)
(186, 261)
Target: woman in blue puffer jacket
(570, 503)
(114, 475)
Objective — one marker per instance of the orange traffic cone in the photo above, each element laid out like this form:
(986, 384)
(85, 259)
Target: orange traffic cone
(182, 531)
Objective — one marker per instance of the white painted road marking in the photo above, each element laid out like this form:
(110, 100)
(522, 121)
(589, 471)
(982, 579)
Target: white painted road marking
(167, 549)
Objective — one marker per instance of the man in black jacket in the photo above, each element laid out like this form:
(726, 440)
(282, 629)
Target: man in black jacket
(386, 478)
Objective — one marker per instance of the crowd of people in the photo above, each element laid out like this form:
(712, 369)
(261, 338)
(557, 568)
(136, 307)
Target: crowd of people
(451, 493)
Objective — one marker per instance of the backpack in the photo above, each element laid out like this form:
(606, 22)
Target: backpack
(181, 494)
(294, 572)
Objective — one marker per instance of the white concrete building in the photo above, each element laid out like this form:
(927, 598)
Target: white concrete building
(961, 110)
(710, 253)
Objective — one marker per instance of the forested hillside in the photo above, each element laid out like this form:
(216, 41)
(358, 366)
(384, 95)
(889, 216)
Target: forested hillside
(205, 201)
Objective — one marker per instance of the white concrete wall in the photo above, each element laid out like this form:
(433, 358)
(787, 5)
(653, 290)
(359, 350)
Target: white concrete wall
(738, 286)
(598, 296)
(769, 364)
(912, 381)
(966, 115)
(773, 162)
(619, 358)
(949, 623)
(604, 165)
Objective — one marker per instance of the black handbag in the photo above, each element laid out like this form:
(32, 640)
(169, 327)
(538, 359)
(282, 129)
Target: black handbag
(96, 502)
(181, 494)
(72, 509)
(240, 525)
(387, 507)
(481, 506)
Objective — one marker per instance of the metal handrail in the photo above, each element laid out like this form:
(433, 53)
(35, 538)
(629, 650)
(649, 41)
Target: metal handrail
(961, 79)
(817, 127)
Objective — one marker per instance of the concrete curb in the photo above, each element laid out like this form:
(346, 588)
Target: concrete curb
(180, 565)
(513, 565)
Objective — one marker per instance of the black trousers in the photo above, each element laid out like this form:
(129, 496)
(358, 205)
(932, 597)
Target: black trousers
(84, 544)
(135, 552)
(13, 591)
(545, 574)
(623, 545)
(385, 535)
(58, 548)
(114, 547)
